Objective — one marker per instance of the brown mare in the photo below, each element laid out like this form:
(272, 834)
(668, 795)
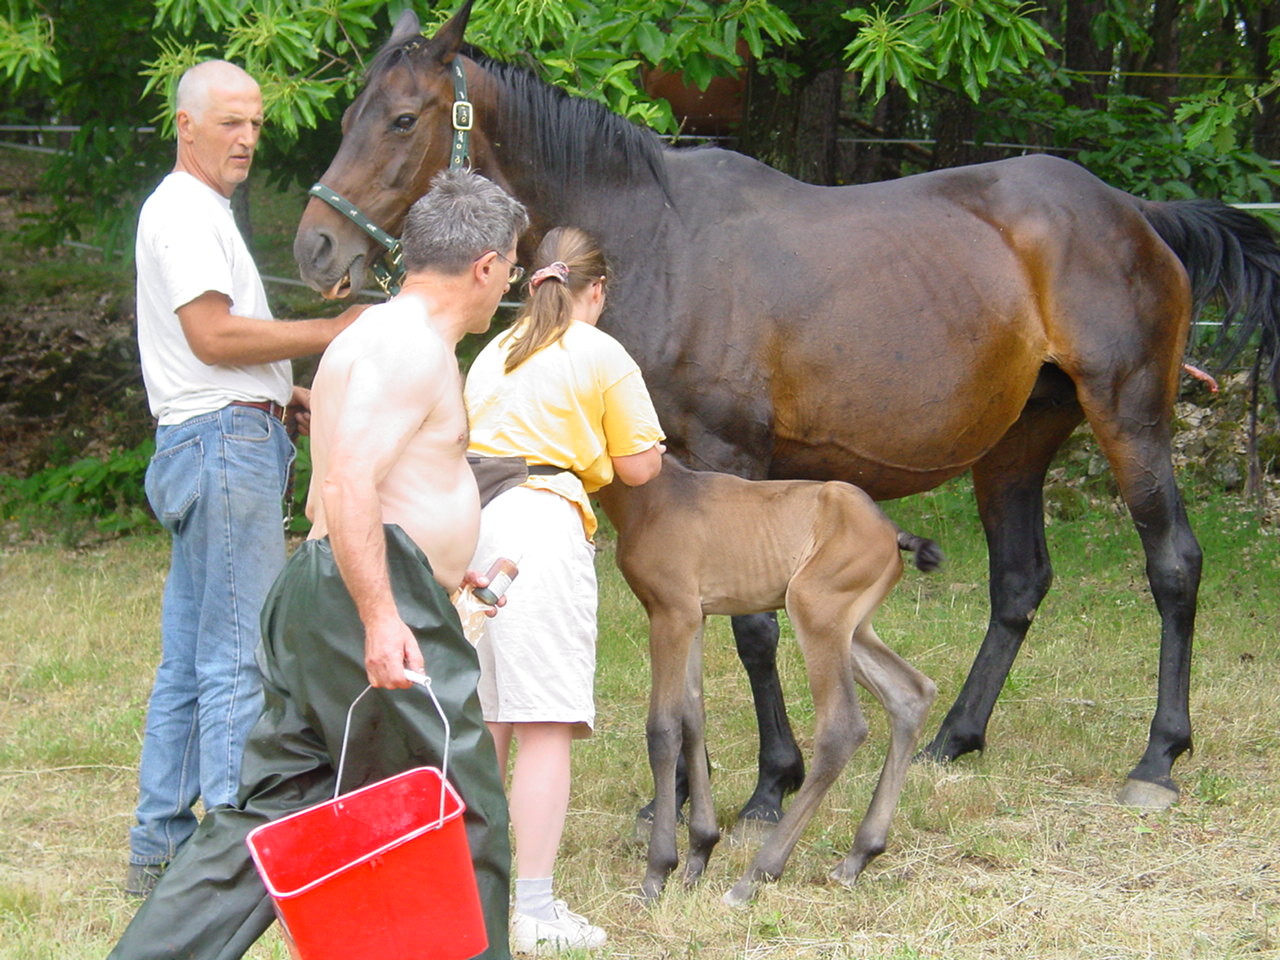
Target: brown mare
(893, 335)
(828, 555)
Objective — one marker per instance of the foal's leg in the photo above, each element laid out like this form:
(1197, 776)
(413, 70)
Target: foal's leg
(1009, 486)
(672, 632)
(823, 622)
(781, 765)
(703, 830)
(906, 694)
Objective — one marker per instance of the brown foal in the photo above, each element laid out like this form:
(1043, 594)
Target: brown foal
(696, 543)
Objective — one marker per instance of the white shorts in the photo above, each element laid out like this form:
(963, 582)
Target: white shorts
(538, 655)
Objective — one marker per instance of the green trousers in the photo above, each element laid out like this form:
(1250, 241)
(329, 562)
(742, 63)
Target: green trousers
(210, 904)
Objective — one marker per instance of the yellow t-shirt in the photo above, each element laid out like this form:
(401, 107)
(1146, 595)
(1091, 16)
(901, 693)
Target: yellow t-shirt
(573, 404)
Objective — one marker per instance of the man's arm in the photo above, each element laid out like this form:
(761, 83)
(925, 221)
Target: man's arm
(217, 336)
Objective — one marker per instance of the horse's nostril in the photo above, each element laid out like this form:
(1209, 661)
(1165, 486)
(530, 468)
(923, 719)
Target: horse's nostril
(312, 249)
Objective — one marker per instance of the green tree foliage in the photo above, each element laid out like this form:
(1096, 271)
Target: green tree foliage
(27, 44)
(1164, 97)
(963, 43)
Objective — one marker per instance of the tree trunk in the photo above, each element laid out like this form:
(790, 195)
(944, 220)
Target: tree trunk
(955, 123)
(240, 210)
(1161, 58)
(796, 131)
(1081, 53)
(872, 162)
(1266, 125)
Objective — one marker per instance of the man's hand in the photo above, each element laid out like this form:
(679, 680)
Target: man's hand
(389, 648)
(474, 578)
(298, 413)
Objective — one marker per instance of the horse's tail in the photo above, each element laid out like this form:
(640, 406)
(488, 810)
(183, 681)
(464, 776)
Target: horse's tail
(928, 553)
(1231, 256)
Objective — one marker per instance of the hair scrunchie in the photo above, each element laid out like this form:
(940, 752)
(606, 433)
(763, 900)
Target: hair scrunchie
(552, 271)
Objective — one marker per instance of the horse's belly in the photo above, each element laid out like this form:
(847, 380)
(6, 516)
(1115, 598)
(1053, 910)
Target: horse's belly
(895, 424)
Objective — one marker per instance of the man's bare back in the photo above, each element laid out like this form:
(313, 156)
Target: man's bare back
(387, 411)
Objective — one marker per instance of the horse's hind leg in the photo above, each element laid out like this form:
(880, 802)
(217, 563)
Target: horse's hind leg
(781, 764)
(1009, 487)
(906, 694)
(1137, 444)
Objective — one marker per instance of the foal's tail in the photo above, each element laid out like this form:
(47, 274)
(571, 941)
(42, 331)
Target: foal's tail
(928, 553)
(1231, 256)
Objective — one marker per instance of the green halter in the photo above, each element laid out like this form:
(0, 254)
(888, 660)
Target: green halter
(388, 272)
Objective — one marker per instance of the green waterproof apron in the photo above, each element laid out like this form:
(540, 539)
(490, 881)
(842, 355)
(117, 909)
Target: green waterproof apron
(210, 904)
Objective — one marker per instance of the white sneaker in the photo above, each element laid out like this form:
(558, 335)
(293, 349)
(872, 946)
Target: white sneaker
(566, 932)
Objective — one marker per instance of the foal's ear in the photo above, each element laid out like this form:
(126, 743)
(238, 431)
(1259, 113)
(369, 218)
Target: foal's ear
(448, 38)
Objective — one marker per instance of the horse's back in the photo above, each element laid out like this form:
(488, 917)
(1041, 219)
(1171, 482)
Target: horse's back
(928, 304)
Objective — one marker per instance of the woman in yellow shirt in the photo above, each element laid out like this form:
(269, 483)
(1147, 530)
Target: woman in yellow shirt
(568, 399)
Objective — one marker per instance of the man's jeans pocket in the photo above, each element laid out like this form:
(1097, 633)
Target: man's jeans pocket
(173, 482)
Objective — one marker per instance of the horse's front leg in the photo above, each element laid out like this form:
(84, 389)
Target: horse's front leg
(781, 765)
(671, 634)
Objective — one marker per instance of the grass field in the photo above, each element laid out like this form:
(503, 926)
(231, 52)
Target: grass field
(1021, 852)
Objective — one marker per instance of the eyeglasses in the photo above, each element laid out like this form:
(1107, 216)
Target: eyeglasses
(517, 271)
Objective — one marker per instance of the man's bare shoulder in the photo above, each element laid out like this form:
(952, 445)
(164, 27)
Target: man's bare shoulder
(394, 337)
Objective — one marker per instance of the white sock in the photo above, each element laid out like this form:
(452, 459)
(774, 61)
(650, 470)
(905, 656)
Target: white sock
(533, 898)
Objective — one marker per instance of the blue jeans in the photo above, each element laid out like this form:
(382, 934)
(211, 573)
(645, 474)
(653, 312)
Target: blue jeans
(216, 483)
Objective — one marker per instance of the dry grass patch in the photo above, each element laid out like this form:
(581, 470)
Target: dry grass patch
(1020, 853)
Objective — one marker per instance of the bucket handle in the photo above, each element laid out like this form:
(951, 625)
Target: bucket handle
(424, 681)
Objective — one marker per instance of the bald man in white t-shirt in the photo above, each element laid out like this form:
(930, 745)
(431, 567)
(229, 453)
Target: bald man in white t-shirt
(218, 378)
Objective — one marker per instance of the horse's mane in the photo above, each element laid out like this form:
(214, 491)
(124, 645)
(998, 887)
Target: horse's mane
(566, 137)
(570, 137)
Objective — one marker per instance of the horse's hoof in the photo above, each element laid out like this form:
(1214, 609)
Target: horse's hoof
(947, 747)
(1147, 795)
(751, 832)
(739, 895)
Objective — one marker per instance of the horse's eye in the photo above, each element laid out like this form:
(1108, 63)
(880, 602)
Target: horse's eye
(405, 121)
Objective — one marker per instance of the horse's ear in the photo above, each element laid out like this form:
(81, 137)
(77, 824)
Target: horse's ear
(407, 27)
(448, 38)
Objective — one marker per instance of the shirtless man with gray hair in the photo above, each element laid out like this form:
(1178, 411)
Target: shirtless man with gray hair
(396, 515)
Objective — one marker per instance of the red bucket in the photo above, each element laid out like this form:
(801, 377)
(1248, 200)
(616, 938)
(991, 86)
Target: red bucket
(382, 872)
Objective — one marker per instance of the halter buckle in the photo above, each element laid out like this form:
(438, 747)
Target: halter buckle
(463, 115)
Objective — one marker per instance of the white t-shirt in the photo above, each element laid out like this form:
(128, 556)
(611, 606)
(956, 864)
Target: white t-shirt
(188, 244)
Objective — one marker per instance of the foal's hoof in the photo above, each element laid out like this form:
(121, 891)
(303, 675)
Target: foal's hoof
(1148, 795)
(740, 894)
(651, 889)
(641, 830)
(845, 873)
(751, 832)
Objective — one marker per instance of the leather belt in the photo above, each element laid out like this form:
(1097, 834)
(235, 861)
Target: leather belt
(267, 406)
